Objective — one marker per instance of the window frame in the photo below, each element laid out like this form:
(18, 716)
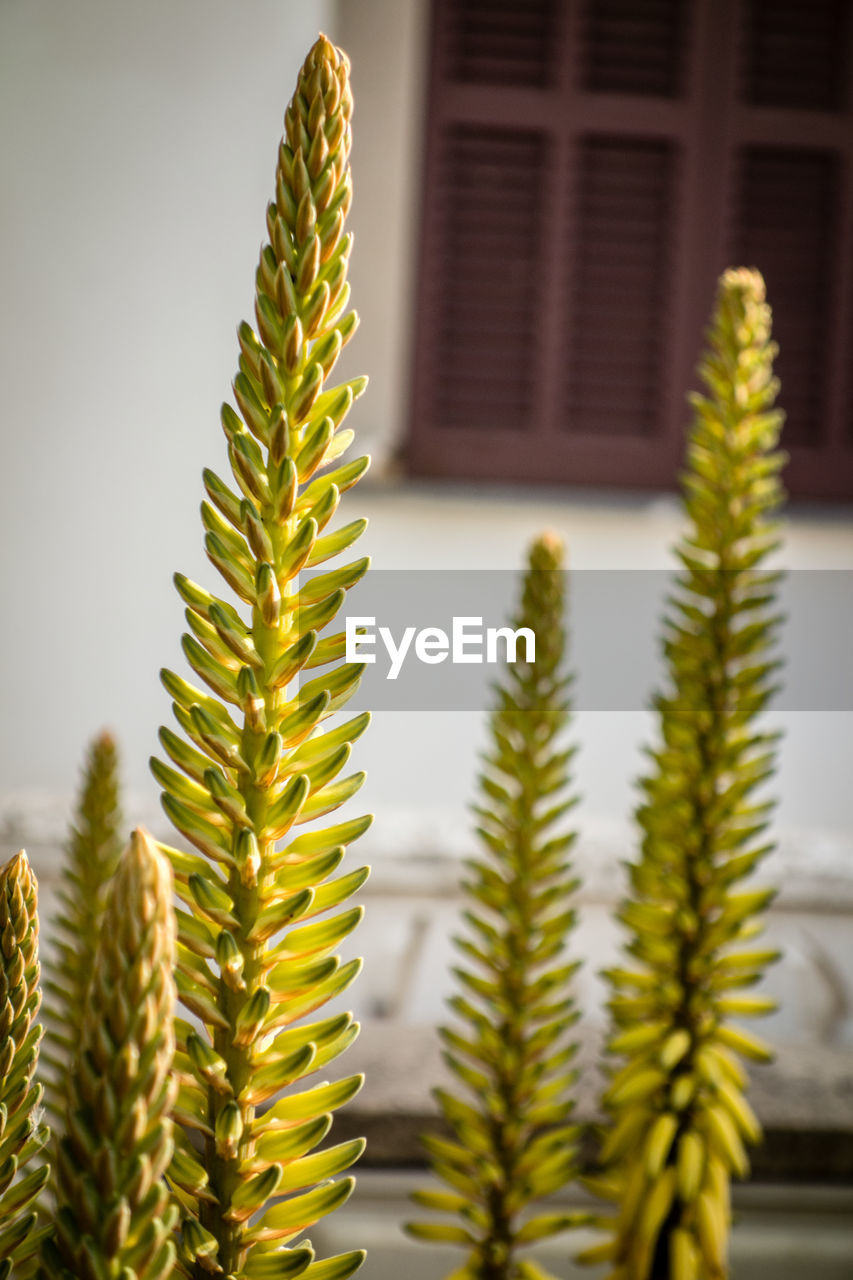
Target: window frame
(711, 128)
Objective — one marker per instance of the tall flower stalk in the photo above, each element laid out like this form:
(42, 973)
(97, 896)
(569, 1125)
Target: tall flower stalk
(680, 1119)
(113, 1219)
(23, 1171)
(513, 1142)
(256, 760)
(91, 857)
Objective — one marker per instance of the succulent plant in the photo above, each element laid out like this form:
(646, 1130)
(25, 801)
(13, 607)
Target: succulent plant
(256, 757)
(113, 1216)
(680, 1120)
(23, 1171)
(510, 1050)
(92, 854)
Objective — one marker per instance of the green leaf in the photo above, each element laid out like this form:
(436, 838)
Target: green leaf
(311, 1102)
(437, 1233)
(317, 842)
(289, 1144)
(336, 891)
(284, 810)
(290, 1217)
(330, 797)
(280, 913)
(306, 1002)
(444, 1201)
(340, 1267)
(321, 1165)
(320, 938)
(334, 543)
(549, 1224)
(254, 1192)
(326, 586)
(268, 1080)
(278, 1264)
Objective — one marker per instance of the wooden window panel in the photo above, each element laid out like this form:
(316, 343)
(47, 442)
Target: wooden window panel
(617, 282)
(634, 48)
(493, 255)
(560, 318)
(794, 53)
(501, 41)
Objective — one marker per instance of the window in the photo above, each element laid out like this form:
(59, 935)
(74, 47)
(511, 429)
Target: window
(591, 167)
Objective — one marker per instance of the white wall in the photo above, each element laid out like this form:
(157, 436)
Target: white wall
(137, 151)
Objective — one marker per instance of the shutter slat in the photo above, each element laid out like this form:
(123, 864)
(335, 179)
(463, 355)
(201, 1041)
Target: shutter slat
(617, 288)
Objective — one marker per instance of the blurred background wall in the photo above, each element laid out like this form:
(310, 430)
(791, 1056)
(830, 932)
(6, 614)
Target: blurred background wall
(137, 151)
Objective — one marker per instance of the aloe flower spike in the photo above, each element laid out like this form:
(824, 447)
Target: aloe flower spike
(513, 1141)
(91, 857)
(680, 1122)
(114, 1220)
(259, 929)
(23, 1171)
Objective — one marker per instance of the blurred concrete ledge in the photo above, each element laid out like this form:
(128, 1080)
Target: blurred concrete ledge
(804, 1100)
(780, 1233)
(415, 851)
(412, 901)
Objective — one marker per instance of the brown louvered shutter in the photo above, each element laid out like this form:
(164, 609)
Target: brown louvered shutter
(616, 289)
(483, 329)
(590, 169)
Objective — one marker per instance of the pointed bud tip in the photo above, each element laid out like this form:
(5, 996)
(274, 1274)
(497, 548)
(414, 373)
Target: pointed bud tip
(143, 862)
(548, 551)
(323, 51)
(18, 869)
